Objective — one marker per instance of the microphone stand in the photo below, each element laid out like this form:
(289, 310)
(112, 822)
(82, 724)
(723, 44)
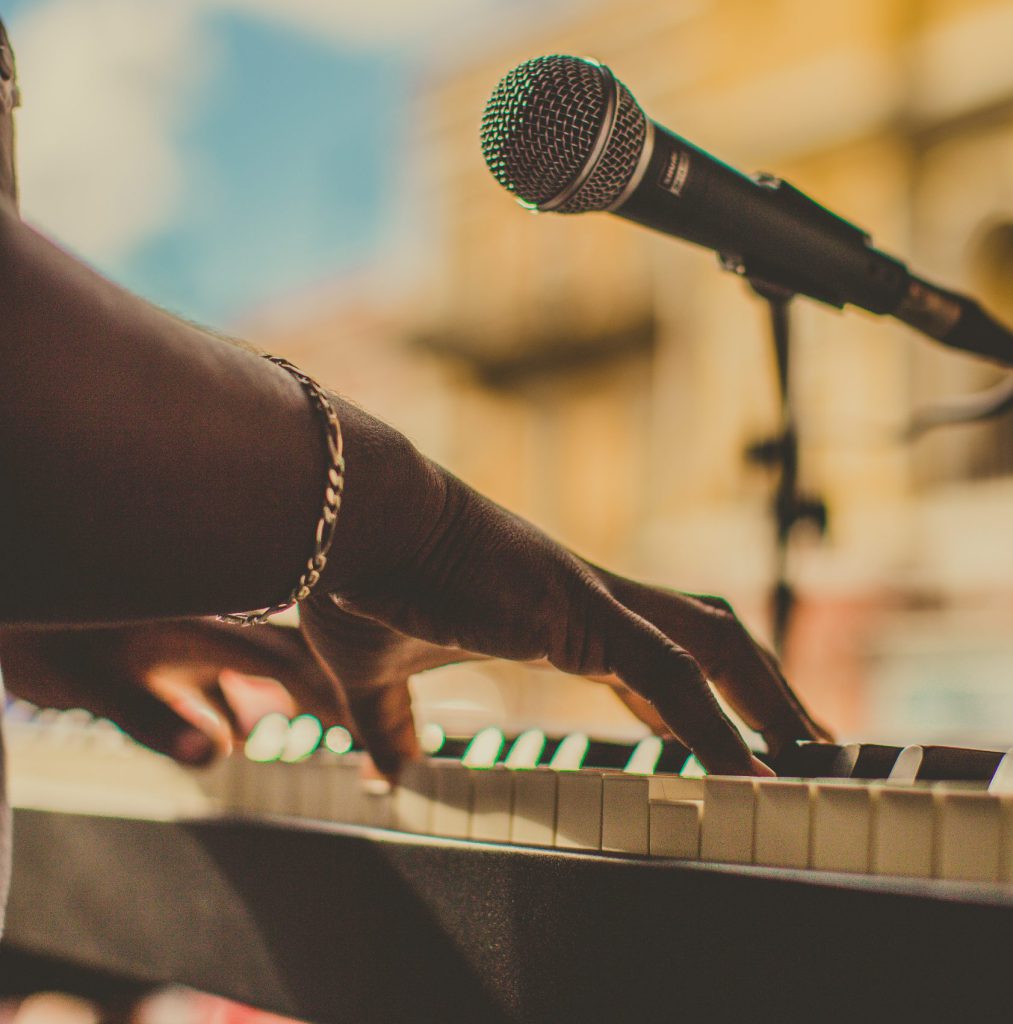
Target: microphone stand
(789, 506)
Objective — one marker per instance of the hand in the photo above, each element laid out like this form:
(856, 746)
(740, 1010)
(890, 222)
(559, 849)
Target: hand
(425, 571)
(186, 688)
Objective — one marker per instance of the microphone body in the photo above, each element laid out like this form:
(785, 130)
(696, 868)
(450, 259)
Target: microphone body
(760, 226)
(564, 135)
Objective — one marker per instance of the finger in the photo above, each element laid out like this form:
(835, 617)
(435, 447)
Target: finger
(746, 676)
(383, 716)
(253, 697)
(735, 658)
(278, 653)
(668, 677)
(150, 721)
(369, 665)
(196, 698)
(273, 652)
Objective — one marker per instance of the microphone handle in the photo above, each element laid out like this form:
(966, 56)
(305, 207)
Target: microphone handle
(766, 229)
(955, 320)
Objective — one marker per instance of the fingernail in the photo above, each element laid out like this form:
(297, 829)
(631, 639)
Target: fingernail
(761, 769)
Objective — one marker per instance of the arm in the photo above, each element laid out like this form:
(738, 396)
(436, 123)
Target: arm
(147, 468)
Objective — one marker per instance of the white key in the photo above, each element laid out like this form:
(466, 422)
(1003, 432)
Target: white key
(526, 750)
(970, 835)
(905, 769)
(903, 832)
(533, 812)
(675, 787)
(570, 753)
(674, 827)
(644, 758)
(267, 738)
(310, 784)
(578, 810)
(692, 769)
(341, 796)
(841, 827)
(220, 780)
(625, 813)
(452, 805)
(413, 799)
(303, 737)
(270, 792)
(492, 794)
(1002, 779)
(484, 749)
(377, 802)
(726, 831)
(1006, 844)
(782, 824)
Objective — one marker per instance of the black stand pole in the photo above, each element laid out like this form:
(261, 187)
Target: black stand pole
(789, 506)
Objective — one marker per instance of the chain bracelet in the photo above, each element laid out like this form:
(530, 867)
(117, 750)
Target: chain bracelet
(332, 503)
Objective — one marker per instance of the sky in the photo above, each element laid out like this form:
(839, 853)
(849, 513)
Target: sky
(215, 155)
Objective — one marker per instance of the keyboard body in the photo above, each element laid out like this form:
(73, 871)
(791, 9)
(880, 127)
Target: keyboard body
(331, 921)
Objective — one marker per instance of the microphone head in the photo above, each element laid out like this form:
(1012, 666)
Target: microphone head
(562, 133)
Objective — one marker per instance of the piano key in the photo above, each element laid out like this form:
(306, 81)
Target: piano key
(841, 827)
(781, 829)
(308, 785)
(338, 740)
(302, 738)
(674, 828)
(675, 787)
(492, 796)
(692, 768)
(267, 738)
(484, 749)
(726, 830)
(941, 764)
(970, 835)
(875, 761)
(533, 811)
(220, 780)
(807, 760)
(625, 813)
(1006, 841)
(268, 791)
(452, 804)
(1002, 786)
(342, 795)
(673, 757)
(907, 766)
(645, 756)
(413, 798)
(903, 832)
(571, 752)
(1002, 780)
(579, 810)
(526, 751)
(377, 802)
(432, 738)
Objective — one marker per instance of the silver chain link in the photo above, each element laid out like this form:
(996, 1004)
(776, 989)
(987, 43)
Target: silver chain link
(324, 535)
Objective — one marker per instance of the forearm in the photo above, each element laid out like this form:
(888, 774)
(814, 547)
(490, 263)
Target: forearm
(146, 468)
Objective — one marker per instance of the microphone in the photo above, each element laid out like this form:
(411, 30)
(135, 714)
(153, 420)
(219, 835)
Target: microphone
(564, 135)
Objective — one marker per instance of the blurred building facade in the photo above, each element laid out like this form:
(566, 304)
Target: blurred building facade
(606, 382)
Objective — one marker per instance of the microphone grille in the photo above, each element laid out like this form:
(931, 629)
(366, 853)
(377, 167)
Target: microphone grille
(540, 127)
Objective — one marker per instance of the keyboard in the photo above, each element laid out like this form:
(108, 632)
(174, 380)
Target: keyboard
(523, 880)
